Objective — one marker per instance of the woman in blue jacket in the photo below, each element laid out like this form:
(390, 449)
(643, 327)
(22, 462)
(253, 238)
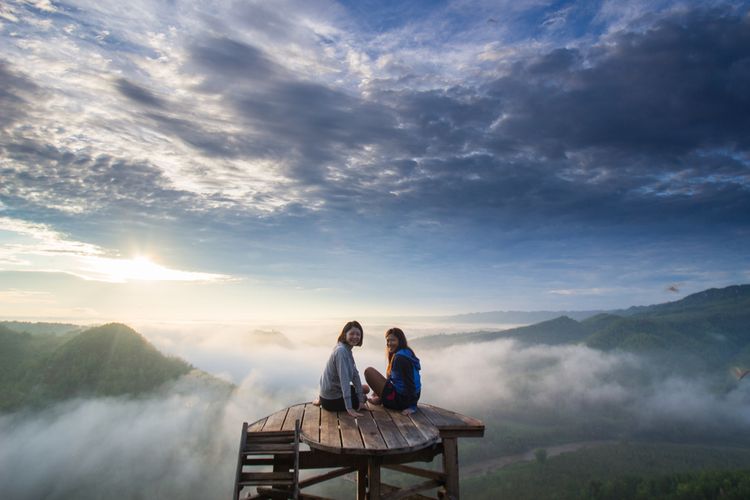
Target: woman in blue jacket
(401, 387)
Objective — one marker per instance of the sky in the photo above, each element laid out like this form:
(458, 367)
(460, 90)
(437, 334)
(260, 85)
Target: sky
(236, 161)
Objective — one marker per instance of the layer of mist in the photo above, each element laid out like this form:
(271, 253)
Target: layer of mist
(181, 442)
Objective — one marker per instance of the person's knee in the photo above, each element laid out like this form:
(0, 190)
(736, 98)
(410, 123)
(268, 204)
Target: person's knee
(370, 371)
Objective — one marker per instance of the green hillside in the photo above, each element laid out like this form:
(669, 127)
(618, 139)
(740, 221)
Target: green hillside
(623, 471)
(713, 300)
(710, 327)
(109, 360)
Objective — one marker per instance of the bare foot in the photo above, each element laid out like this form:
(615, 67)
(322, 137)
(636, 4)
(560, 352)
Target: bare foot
(316, 401)
(408, 411)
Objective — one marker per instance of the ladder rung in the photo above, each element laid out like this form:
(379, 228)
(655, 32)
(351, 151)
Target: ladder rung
(271, 492)
(246, 460)
(268, 448)
(271, 434)
(254, 476)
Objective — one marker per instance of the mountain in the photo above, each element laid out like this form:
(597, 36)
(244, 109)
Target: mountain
(713, 300)
(517, 317)
(267, 338)
(109, 360)
(562, 330)
(711, 328)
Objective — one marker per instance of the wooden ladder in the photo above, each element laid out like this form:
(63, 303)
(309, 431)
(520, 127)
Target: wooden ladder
(279, 449)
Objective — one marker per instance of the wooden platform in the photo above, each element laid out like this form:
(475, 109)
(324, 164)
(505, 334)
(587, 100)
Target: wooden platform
(379, 438)
(378, 432)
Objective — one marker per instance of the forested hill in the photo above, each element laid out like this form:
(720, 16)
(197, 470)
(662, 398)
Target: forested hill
(109, 360)
(713, 326)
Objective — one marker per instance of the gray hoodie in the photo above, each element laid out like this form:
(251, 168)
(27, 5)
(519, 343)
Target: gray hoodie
(338, 373)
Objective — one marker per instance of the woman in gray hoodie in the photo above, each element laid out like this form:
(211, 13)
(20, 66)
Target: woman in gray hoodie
(340, 386)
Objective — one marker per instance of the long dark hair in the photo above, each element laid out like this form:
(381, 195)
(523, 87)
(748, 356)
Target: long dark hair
(349, 326)
(402, 344)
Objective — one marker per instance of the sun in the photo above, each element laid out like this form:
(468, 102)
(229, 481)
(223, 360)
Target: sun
(139, 268)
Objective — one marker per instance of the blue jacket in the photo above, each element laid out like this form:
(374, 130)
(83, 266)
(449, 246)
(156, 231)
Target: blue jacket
(397, 378)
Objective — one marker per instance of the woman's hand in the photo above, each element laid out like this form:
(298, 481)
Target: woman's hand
(353, 413)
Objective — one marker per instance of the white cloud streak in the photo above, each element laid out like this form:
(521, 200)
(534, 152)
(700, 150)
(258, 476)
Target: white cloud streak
(87, 261)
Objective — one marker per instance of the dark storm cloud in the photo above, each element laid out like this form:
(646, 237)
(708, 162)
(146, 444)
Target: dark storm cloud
(650, 122)
(308, 124)
(138, 94)
(17, 93)
(648, 128)
(233, 59)
(678, 87)
(55, 177)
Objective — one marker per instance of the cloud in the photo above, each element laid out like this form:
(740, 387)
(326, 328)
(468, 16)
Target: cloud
(163, 444)
(17, 95)
(248, 131)
(182, 440)
(81, 259)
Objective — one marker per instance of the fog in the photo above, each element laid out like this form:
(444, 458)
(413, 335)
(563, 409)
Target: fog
(181, 441)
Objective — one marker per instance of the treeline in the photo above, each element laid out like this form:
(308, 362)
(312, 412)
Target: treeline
(618, 471)
(109, 360)
(707, 485)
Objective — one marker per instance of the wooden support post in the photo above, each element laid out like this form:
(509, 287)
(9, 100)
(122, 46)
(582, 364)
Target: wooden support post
(373, 478)
(362, 482)
(450, 467)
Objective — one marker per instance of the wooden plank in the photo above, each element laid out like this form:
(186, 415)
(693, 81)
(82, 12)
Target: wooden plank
(386, 490)
(373, 477)
(450, 466)
(259, 477)
(428, 430)
(413, 437)
(351, 439)
(270, 437)
(388, 430)
(411, 490)
(326, 476)
(295, 413)
(311, 423)
(268, 448)
(329, 430)
(257, 426)
(371, 436)
(361, 483)
(243, 437)
(275, 420)
(437, 418)
(416, 471)
(450, 420)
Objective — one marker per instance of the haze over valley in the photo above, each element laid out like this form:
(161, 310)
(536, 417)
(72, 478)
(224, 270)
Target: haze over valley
(99, 410)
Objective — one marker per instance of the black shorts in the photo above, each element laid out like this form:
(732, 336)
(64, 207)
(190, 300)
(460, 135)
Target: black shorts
(393, 400)
(338, 403)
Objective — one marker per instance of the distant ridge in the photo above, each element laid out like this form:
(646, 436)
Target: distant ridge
(41, 328)
(710, 328)
(731, 296)
(516, 317)
(562, 330)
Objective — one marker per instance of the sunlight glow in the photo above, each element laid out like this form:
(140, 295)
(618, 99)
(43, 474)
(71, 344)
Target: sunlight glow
(140, 268)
